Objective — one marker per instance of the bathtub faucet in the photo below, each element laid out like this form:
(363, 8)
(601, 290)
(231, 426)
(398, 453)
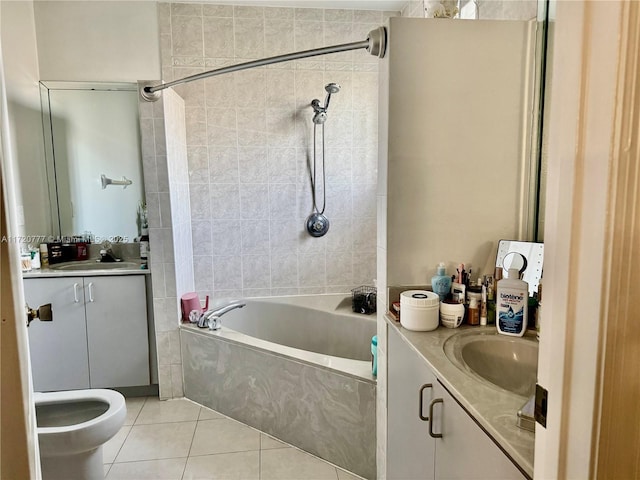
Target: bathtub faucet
(211, 318)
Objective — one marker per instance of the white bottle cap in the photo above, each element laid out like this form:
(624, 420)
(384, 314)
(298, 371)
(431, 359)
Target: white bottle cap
(514, 274)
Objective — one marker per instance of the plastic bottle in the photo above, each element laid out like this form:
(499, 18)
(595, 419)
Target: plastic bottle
(512, 305)
(440, 282)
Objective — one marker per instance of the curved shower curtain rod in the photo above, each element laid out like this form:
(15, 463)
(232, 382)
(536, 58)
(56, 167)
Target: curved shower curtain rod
(375, 44)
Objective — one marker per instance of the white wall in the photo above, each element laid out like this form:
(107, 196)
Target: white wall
(98, 41)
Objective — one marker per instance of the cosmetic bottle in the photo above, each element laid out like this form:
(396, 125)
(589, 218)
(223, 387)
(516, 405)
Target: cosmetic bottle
(512, 305)
(440, 282)
(474, 312)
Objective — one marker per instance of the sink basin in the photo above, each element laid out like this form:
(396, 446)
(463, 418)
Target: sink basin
(92, 265)
(510, 363)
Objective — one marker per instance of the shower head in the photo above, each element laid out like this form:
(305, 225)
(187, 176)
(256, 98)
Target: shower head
(332, 88)
(320, 111)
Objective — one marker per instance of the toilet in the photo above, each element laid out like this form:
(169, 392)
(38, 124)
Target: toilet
(72, 426)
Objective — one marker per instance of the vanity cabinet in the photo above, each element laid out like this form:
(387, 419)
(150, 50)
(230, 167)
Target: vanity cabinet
(410, 449)
(98, 337)
(448, 446)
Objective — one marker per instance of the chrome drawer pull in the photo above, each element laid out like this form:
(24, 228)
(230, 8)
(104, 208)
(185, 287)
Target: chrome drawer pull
(91, 291)
(75, 293)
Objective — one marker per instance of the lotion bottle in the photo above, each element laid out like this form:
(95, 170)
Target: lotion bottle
(512, 301)
(440, 282)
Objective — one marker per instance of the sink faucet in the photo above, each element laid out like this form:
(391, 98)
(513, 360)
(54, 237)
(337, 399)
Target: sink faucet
(211, 318)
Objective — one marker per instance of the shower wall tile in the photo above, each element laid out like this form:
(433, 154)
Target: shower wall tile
(217, 10)
(218, 37)
(284, 270)
(338, 15)
(242, 11)
(278, 37)
(255, 237)
(278, 13)
(249, 140)
(256, 271)
(227, 272)
(253, 164)
(201, 237)
(186, 33)
(282, 165)
(226, 235)
(249, 38)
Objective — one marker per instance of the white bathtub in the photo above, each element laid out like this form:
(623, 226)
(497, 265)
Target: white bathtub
(298, 368)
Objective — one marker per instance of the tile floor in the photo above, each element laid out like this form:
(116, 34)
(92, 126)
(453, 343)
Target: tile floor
(181, 440)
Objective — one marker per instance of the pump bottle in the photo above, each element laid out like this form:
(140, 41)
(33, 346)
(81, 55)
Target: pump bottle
(440, 282)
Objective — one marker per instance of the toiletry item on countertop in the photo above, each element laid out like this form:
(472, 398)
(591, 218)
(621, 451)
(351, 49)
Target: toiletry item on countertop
(483, 307)
(420, 310)
(44, 255)
(512, 305)
(473, 312)
(440, 282)
(35, 258)
(459, 292)
(144, 246)
(451, 313)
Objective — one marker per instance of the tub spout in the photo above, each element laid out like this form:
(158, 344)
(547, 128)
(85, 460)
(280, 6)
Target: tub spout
(211, 318)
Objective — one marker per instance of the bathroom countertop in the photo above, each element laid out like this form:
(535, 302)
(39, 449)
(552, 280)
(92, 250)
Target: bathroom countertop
(52, 272)
(493, 408)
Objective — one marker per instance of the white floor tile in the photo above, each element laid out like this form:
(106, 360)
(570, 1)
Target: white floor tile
(227, 466)
(267, 442)
(154, 442)
(168, 469)
(344, 475)
(223, 436)
(292, 464)
(134, 405)
(166, 411)
(208, 414)
(111, 448)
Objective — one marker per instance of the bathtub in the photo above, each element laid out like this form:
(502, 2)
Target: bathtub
(297, 368)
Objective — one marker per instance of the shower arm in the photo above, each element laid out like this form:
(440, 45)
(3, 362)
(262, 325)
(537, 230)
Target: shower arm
(375, 44)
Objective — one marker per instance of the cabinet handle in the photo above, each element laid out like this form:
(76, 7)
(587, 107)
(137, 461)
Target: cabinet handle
(433, 402)
(91, 291)
(75, 293)
(422, 389)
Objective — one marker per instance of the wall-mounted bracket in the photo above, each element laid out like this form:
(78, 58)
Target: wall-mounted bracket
(106, 181)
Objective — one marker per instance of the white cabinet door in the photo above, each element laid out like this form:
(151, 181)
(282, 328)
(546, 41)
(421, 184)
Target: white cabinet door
(117, 331)
(465, 452)
(58, 349)
(410, 450)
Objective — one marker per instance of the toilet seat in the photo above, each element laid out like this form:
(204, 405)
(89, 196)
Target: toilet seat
(86, 435)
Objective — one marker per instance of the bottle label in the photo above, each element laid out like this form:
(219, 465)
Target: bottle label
(441, 286)
(511, 311)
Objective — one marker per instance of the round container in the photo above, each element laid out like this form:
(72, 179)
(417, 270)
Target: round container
(419, 310)
(451, 314)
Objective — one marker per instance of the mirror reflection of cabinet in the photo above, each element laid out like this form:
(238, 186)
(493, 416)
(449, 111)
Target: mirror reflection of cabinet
(93, 130)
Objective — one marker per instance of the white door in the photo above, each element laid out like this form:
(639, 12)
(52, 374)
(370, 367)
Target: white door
(117, 331)
(58, 349)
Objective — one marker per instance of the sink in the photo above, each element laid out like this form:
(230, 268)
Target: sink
(93, 265)
(510, 363)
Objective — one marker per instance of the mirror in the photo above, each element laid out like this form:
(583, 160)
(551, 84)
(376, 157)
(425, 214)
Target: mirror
(93, 156)
(527, 257)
